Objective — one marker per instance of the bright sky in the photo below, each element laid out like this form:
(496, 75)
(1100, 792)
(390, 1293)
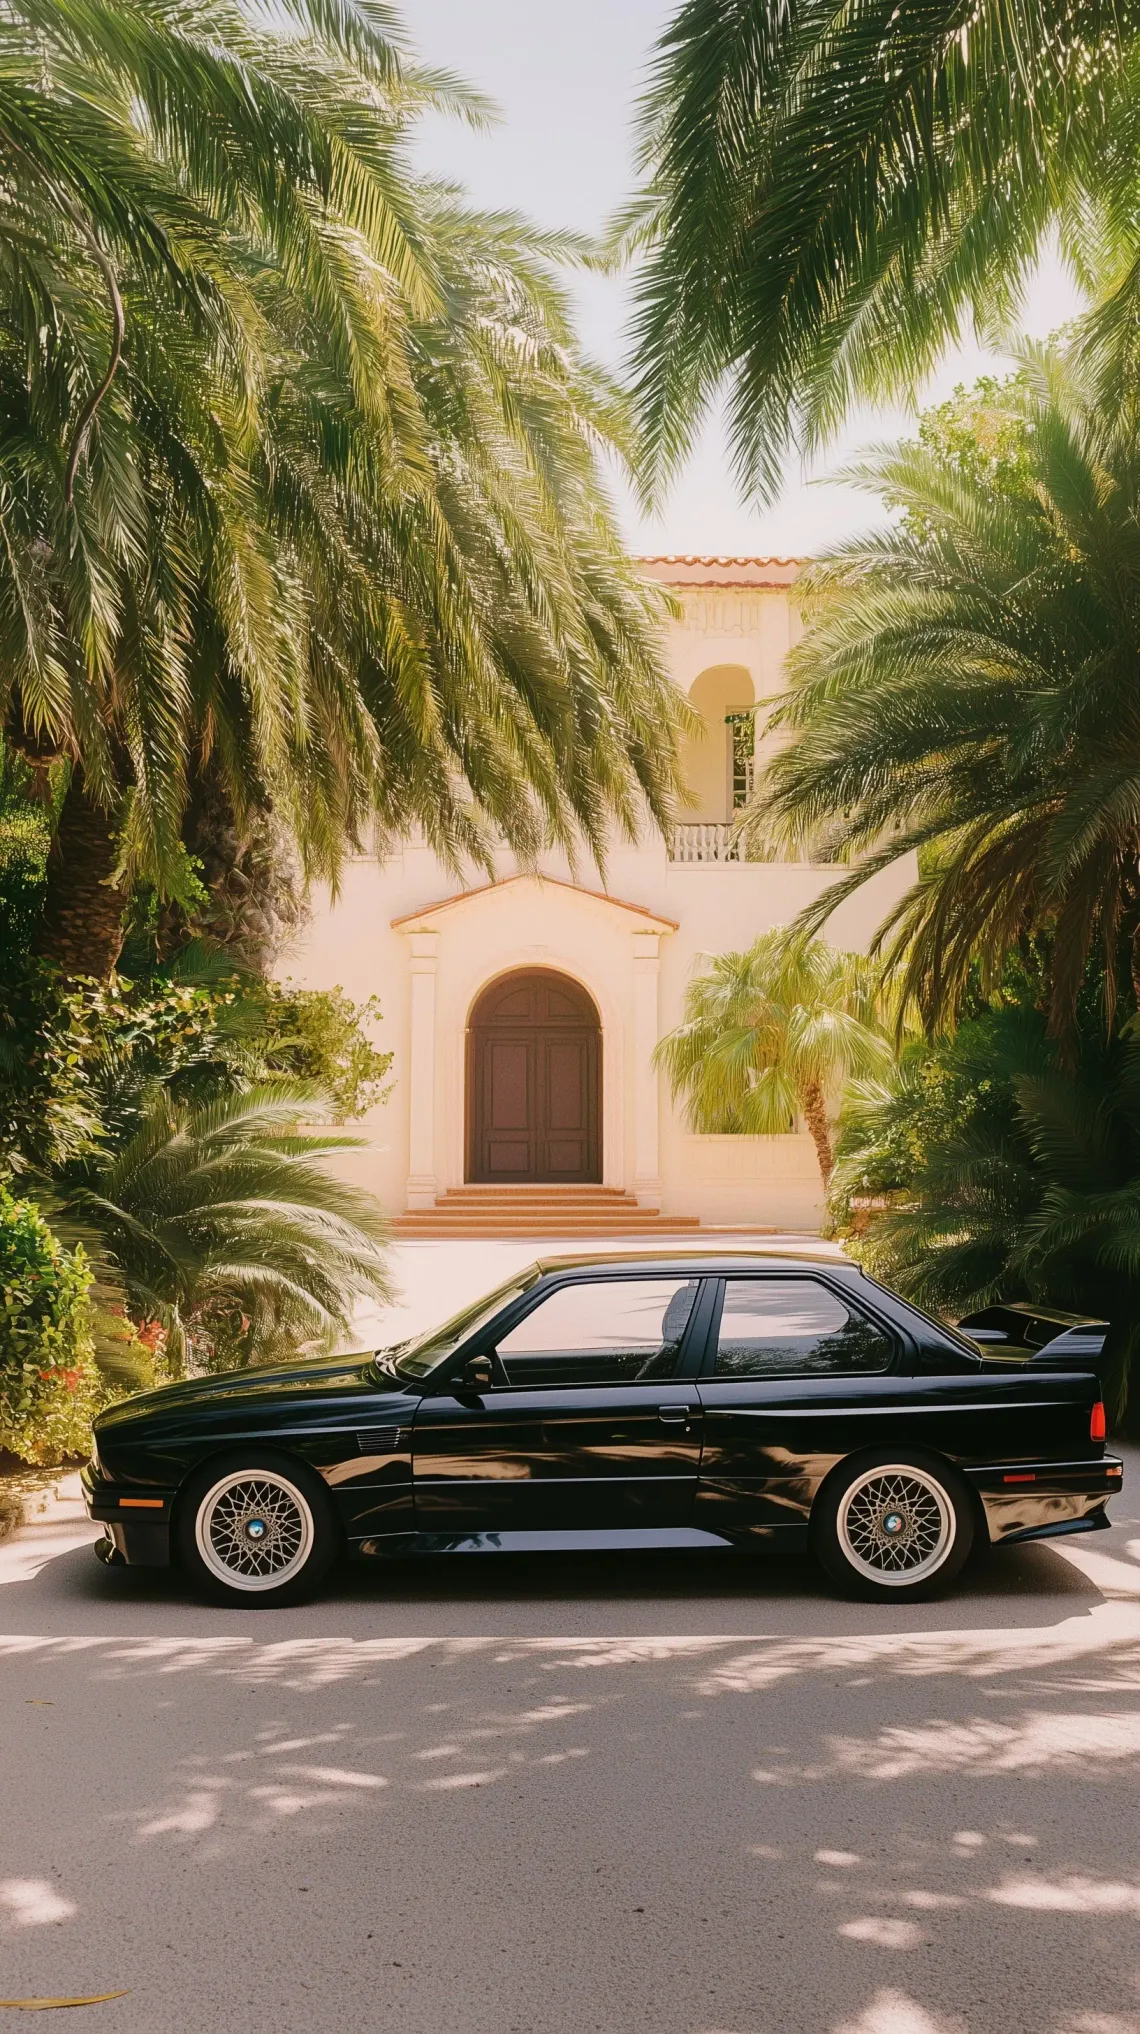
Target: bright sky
(565, 79)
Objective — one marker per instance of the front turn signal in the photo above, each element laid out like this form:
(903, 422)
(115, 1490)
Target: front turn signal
(1096, 1422)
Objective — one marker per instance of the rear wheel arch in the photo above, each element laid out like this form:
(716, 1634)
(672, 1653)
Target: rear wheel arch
(850, 1464)
(949, 1496)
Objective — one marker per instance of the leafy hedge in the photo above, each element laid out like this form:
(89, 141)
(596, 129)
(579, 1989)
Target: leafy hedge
(49, 1385)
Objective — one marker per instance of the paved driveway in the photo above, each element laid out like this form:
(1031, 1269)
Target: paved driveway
(683, 1795)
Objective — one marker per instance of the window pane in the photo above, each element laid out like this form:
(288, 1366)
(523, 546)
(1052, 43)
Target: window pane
(606, 1332)
(793, 1327)
(418, 1357)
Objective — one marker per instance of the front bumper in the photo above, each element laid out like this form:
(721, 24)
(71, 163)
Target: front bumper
(1042, 1500)
(137, 1521)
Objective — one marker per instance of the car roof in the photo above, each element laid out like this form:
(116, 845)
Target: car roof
(710, 1261)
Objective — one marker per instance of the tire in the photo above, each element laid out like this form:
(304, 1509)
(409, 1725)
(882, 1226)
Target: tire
(256, 1529)
(893, 1527)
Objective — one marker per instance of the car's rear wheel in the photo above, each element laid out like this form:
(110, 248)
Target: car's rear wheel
(893, 1527)
(257, 1529)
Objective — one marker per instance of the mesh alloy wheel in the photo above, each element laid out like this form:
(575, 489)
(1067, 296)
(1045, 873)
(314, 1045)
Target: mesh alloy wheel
(896, 1525)
(254, 1530)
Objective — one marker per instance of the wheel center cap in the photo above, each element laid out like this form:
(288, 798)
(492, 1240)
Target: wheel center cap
(256, 1529)
(893, 1523)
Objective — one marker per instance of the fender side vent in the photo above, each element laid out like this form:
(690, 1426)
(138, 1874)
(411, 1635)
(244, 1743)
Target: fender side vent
(378, 1440)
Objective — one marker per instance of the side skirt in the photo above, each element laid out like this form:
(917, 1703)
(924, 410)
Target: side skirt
(584, 1540)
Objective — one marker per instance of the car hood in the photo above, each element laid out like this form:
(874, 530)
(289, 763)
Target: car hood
(333, 1377)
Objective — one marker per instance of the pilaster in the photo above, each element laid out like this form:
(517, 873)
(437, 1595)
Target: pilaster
(646, 1128)
(422, 1181)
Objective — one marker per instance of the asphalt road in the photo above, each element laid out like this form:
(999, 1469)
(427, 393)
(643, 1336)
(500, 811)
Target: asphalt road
(689, 1795)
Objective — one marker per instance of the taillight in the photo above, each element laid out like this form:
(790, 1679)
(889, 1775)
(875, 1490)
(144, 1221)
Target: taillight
(1096, 1422)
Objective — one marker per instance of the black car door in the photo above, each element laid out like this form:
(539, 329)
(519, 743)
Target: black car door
(797, 1374)
(591, 1420)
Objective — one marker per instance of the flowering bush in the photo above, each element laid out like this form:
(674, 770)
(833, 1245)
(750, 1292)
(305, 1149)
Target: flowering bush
(49, 1385)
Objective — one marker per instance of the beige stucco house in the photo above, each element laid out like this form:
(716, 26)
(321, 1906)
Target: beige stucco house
(523, 1013)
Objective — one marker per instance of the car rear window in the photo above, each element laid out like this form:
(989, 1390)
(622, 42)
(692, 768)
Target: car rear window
(794, 1327)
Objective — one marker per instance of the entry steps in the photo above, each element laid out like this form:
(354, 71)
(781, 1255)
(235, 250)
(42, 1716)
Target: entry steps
(540, 1211)
(553, 1211)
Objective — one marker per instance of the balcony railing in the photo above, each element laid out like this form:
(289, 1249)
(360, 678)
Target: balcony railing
(704, 840)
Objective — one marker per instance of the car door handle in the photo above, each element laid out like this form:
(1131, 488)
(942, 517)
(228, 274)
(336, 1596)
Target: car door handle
(673, 1415)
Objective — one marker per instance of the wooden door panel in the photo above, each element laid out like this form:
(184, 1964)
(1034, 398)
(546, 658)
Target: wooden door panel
(533, 1082)
(566, 1101)
(507, 1115)
(564, 1129)
(509, 1101)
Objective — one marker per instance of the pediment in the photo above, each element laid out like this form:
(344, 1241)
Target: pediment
(638, 916)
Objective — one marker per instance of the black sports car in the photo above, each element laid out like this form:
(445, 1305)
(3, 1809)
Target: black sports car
(681, 1401)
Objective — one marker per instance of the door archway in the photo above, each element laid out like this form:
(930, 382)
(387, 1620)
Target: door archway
(534, 1082)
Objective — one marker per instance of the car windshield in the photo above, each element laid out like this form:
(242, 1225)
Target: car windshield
(421, 1355)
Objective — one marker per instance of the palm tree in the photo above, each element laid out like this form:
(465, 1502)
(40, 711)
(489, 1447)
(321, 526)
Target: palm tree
(829, 194)
(967, 689)
(157, 158)
(299, 482)
(506, 653)
(222, 1208)
(772, 1033)
(1028, 1187)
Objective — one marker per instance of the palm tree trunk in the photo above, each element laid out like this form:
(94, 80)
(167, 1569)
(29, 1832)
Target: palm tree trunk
(815, 1116)
(82, 925)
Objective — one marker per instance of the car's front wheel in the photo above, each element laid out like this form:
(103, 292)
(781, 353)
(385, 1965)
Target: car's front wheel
(893, 1527)
(256, 1529)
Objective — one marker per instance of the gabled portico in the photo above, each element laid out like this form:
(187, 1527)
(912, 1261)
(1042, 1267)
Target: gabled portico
(533, 1094)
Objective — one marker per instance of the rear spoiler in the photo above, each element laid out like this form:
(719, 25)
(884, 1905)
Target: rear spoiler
(1050, 1340)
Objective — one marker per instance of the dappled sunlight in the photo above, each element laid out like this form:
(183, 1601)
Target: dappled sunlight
(897, 2012)
(32, 1903)
(1039, 1741)
(1097, 1651)
(884, 1932)
(56, 1523)
(1069, 1895)
(1107, 1633)
(1102, 2023)
(446, 1783)
(1116, 1578)
(232, 1808)
(232, 1797)
(891, 2012)
(197, 1811)
(905, 1813)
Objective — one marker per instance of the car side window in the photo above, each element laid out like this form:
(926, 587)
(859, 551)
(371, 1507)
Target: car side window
(604, 1331)
(794, 1327)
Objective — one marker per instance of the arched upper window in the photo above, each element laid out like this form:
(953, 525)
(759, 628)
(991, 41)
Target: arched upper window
(717, 762)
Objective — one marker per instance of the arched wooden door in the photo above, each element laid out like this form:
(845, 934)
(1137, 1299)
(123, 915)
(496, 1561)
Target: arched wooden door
(534, 1081)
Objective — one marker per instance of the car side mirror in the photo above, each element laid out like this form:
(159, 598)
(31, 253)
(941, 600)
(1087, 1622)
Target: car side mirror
(477, 1374)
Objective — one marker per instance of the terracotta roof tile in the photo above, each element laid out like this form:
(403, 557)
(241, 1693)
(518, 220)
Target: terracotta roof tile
(698, 569)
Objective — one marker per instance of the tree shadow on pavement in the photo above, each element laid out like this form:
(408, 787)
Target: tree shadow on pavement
(1026, 1586)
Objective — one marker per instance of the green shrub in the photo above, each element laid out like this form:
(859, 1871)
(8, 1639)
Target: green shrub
(321, 1035)
(49, 1385)
(24, 840)
(25, 836)
(77, 1060)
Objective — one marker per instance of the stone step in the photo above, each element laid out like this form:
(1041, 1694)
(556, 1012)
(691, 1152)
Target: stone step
(638, 1219)
(555, 1240)
(541, 1210)
(512, 1196)
(538, 1201)
(634, 1214)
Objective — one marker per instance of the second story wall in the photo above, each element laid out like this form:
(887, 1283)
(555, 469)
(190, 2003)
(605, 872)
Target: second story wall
(727, 653)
